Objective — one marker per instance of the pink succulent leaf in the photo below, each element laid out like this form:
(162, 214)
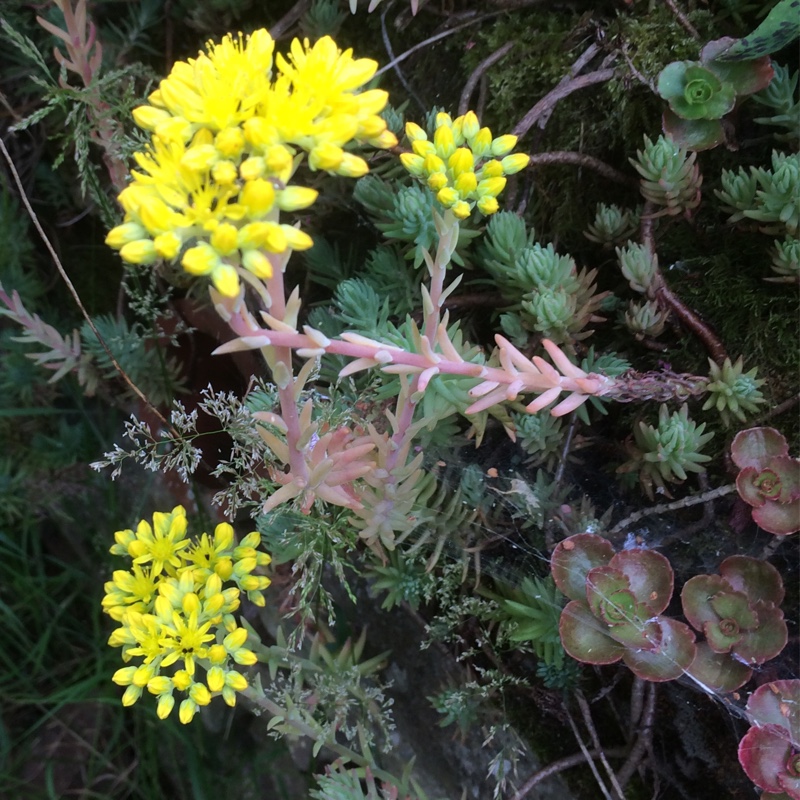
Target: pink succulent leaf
(780, 519)
(747, 77)
(696, 596)
(650, 575)
(755, 446)
(735, 606)
(640, 634)
(609, 596)
(777, 703)
(574, 557)
(748, 488)
(764, 754)
(758, 579)
(718, 672)
(568, 404)
(766, 640)
(673, 653)
(584, 637)
(787, 471)
(692, 134)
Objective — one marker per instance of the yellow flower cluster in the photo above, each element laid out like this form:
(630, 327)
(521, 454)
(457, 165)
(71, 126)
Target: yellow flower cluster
(463, 163)
(174, 611)
(225, 140)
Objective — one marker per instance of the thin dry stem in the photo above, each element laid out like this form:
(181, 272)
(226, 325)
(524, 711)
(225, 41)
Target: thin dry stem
(477, 74)
(582, 160)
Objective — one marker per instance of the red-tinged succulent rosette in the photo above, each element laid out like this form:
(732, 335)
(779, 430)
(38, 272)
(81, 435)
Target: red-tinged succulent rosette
(770, 751)
(769, 480)
(616, 600)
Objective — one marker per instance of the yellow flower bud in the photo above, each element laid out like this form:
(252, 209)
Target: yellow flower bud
(252, 168)
(503, 145)
(326, 157)
(122, 234)
(461, 161)
(225, 239)
(216, 679)
(257, 263)
(515, 163)
(190, 603)
(260, 133)
(436, 181)
(159, 685)
(217, 654)
(444, 119)
(491, 187)
(131, 695)
(245, 657)
(422, 147)
(124, 676)
(413, 163)
(142, 251)
(202, 138)
(470, 125)
(444, 142)
(481, 143)
(414, 132)
(168, 245)
(370, 127)
(182, 680)
(199, 260)
(491, 169)
(230, 142)
(187, 711)
(143, 675)
(432, 163)
(465, 184)
(199, 157)
(200, 694)
(165, 705)
(461, 209)
(155, 99)
(385, 141)
(297, 239)
(155, 215)
(174, 129)
(447, 196)
(147, 117)
(236, 681)
(488, 205)
(235, 639)
(224, 173)
(293, 198)
(225, 280)
(258, 196)
(279, 162)
(352, 166)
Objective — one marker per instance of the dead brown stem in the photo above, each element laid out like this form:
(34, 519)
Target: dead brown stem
(644, 738)
(582, 160)
(683, 20)
(559, 93)
(477, 73)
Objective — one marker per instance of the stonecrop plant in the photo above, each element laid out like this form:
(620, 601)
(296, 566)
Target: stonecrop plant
(369, 388)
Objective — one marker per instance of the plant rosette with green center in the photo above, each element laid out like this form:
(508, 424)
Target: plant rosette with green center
(770, 751)
(615, 608)
(701, 93)
(176, 605)
(769, 479)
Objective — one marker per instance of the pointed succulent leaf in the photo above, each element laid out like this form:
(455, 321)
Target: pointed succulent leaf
(755, 446)
(650, 575)
(696, 596)
(673, 652)
(584, 637)
(574, 557)
(718, 672)
(758, 579)
(767, 639)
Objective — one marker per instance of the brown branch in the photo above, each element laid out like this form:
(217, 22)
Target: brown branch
(559, 766)
(586, 713)
(282, 26)
(781, 408)
(582, 160)
(644, 739)
(477, 73)
(667, 299)
(683, 20)
(559, 93)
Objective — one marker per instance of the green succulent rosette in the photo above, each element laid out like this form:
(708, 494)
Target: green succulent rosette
(694, 91)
